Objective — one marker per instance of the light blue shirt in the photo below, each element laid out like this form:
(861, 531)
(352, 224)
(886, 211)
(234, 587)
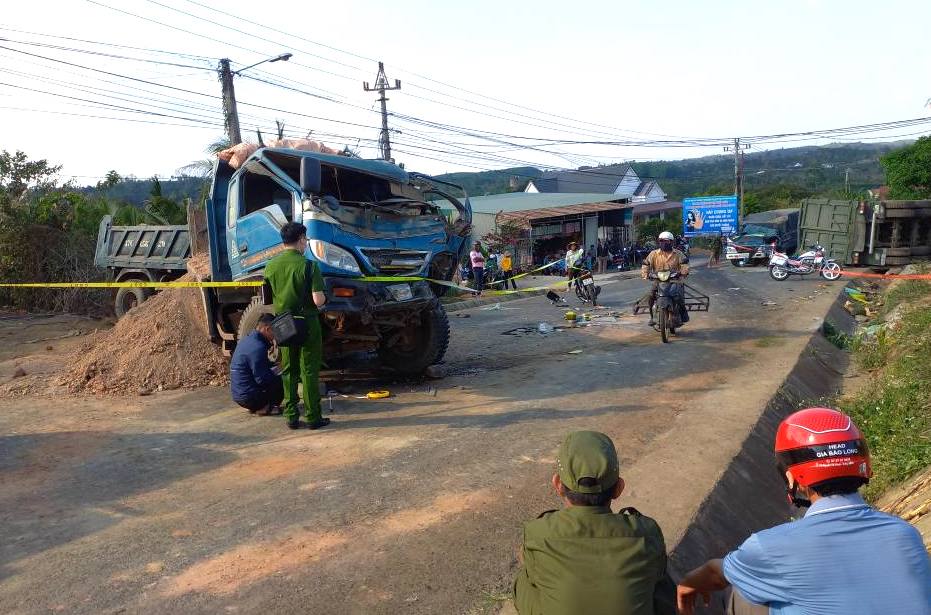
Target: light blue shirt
(842, 558)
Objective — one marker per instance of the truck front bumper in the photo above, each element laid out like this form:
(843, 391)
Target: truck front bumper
(370, 300)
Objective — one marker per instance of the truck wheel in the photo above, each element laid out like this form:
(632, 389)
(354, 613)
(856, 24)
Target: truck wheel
(249, 320)
(128, 298)
(419, 345)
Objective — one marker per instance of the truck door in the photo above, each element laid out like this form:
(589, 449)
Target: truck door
(262, 206)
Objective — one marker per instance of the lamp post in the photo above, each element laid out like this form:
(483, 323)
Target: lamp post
(230, 113)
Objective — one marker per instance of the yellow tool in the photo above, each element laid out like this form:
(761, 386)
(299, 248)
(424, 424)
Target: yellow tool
(570, 315)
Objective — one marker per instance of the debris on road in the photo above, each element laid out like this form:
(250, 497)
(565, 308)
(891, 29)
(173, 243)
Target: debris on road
(545, 327)
(576, 351)
(768, 303)
(19, 373)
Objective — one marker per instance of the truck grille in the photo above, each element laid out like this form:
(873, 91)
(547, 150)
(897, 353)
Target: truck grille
(395, 262)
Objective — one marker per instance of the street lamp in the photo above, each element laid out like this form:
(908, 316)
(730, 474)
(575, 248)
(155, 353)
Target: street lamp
(229, 96)
(282, 58)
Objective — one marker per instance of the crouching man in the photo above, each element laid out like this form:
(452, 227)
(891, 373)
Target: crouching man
(585, 558)
(842, 557)
(253, 383)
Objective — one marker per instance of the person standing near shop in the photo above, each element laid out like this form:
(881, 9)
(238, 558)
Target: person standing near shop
(507, 270)
(477, 256)
(297, 287)
(602, 256)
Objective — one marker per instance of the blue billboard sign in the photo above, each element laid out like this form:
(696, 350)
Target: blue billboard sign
(709, 215)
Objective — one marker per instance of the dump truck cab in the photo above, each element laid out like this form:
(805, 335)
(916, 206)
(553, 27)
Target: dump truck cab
(368, 221)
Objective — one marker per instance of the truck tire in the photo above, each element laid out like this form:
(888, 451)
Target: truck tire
(128, 298)
(424, 345)
(250, 318)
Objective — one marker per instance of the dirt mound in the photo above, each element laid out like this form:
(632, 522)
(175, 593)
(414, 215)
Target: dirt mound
(160, 345)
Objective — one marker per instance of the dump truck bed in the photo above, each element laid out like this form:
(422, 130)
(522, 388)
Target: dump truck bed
(142, 247)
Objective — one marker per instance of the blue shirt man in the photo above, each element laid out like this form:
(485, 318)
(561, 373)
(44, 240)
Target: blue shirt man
(253, 384)
(842, 557)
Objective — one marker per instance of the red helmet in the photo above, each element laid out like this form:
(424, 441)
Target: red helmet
(820, 444)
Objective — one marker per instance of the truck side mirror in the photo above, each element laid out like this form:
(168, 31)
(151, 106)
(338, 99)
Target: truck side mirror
(310, 176)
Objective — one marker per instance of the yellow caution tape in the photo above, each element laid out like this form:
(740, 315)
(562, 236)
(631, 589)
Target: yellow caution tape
(133, 284)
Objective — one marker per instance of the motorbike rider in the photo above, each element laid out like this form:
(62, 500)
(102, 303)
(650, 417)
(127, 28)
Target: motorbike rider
(574, 256)
(666, 258)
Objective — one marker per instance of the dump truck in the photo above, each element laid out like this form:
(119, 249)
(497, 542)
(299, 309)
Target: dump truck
(880, 233)
(368, 222)
(143, 253)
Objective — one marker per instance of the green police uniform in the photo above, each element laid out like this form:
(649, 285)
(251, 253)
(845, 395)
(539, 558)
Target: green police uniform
(291, 291)
(587, 559)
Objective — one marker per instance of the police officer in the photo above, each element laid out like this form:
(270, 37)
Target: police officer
(297, 287)
(585, 558)
(843, 556)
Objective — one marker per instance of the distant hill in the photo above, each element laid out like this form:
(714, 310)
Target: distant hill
(493, 182)
(814, 169)
(135, 191)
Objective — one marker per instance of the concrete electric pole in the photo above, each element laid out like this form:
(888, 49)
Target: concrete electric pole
(738, 149)
(381, 86)
(230, 113)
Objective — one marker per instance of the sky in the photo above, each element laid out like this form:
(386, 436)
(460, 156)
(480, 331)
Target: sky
(485, 84)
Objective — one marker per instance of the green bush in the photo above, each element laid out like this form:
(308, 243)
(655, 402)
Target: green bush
(894, 411)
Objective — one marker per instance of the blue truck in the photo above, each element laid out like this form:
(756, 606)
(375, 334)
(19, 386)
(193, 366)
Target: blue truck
(368, 221)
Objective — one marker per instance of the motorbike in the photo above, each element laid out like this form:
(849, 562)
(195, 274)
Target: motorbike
(668, 316)
(781, 266)
(585, 288)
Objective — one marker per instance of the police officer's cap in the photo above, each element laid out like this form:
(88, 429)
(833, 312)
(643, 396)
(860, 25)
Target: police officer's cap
(587, 462)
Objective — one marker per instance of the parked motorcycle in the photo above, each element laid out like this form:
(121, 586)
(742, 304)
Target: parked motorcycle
(781, 266)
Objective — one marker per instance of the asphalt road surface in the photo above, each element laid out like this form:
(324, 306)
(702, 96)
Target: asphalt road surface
(183, 503)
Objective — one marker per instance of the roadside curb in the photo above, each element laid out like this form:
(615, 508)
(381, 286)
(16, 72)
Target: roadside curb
(749, 495)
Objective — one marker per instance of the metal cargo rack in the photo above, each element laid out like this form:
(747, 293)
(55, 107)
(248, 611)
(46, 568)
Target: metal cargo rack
(695, 301)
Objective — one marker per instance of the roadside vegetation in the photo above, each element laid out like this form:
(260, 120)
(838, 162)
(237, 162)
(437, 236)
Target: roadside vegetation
(894, 408)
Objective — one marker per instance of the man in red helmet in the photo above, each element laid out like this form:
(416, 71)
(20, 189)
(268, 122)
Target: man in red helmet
(842, 557)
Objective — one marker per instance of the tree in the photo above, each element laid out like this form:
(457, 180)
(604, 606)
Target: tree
(649, 230)
(18, 175)
(908, 170)
(163, 209)
(505, 236)
(112, 179)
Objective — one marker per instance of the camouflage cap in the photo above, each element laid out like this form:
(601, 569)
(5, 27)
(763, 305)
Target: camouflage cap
(587, 455)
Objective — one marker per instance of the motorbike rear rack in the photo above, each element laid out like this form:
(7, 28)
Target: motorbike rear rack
(694, 300)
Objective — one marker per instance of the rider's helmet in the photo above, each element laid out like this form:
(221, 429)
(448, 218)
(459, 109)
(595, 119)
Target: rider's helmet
(820, 445)
(665, 241)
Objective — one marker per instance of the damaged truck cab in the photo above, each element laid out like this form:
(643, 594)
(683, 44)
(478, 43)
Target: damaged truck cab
(368, 221)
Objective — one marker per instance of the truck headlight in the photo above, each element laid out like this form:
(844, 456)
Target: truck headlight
(334, 256)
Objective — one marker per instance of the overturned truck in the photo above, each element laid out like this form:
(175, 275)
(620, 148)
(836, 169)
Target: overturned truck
(875, 233)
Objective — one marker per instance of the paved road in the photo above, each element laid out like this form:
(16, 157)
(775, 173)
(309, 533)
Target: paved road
(182, 503)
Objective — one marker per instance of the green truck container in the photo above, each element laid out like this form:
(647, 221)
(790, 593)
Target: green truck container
(875, 233)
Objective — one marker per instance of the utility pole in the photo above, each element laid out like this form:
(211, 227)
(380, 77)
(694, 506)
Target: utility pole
(738, 148)
(847, 182)
(230, 113)
(381, 86)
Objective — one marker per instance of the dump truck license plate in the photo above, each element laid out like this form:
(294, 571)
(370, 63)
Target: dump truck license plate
(401, 292)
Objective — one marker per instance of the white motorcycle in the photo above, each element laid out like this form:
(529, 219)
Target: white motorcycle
(781, 266)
